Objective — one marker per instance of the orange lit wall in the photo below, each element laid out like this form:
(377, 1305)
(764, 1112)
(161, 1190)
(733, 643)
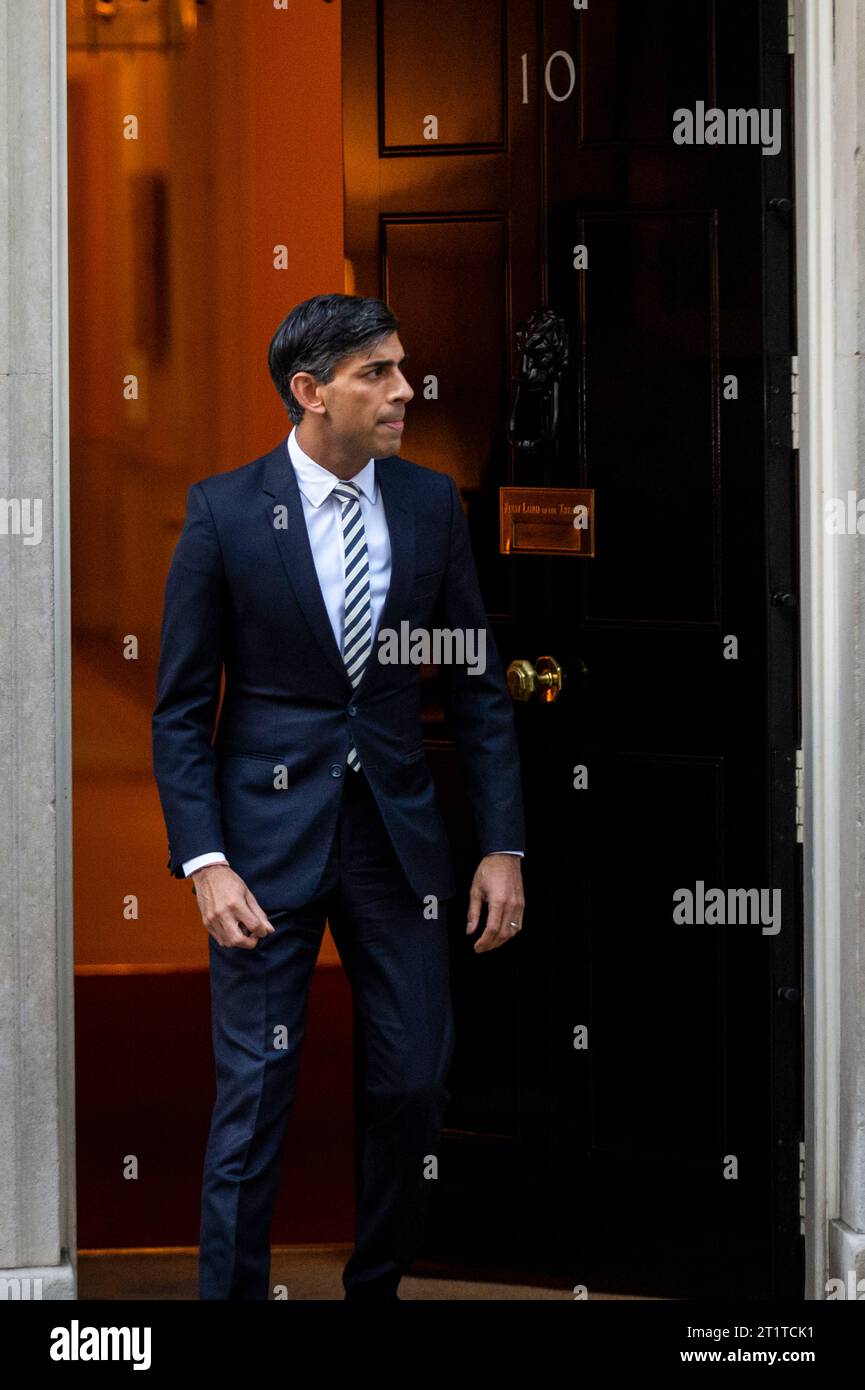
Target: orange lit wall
(173, 287)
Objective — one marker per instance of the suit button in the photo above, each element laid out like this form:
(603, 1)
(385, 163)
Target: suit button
(352, 709)
(335, 770)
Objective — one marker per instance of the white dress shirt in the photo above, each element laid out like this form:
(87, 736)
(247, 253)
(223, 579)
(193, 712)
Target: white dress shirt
(323, 515)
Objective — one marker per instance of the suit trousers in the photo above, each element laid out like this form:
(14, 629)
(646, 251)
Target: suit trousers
(397, 963)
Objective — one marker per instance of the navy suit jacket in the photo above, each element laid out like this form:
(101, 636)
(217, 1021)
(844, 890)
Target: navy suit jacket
(242, 592)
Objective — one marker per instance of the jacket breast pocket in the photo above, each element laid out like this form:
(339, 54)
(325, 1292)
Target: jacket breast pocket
(426, 586)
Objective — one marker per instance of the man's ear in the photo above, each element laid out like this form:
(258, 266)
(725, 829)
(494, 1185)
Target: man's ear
(307, 391)
(303, 389)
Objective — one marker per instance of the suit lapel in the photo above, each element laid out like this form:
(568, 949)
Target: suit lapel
(286, 522)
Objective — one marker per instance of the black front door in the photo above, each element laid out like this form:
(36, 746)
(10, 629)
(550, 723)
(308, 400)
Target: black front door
(626, 1092)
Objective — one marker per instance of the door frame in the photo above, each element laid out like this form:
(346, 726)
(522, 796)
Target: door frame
(829, 875)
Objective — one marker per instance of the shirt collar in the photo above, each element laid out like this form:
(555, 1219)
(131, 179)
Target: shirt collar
(317, 483)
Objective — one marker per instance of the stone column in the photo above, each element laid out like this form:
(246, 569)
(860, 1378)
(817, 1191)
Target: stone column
(846, 1227)
(37, 1188)
(830, 249)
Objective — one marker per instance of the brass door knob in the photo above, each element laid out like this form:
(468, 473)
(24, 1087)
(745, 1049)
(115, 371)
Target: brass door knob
(544, 679)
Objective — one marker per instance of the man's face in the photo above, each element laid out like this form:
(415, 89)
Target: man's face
(366, 399)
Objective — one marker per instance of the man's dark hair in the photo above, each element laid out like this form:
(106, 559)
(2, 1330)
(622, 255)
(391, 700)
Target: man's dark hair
(320, 332)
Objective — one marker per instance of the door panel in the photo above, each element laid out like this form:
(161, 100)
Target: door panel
(427, 264)
(419, 78)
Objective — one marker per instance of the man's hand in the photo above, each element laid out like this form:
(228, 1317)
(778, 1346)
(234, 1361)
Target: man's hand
(228, 908)
(498, 881)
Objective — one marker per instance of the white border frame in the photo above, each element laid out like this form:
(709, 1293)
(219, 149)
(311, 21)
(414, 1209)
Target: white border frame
(813, 95)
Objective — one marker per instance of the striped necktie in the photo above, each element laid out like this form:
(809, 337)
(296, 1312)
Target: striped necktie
(357, 630)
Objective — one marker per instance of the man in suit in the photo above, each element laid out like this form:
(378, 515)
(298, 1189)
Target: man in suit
(314, 801)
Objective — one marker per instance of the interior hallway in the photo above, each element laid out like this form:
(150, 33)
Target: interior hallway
(310, 1274)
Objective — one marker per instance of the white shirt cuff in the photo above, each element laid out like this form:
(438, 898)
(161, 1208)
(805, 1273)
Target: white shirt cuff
(214, 857)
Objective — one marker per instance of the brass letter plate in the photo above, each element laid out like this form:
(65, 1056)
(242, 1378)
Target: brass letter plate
(547, 521)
